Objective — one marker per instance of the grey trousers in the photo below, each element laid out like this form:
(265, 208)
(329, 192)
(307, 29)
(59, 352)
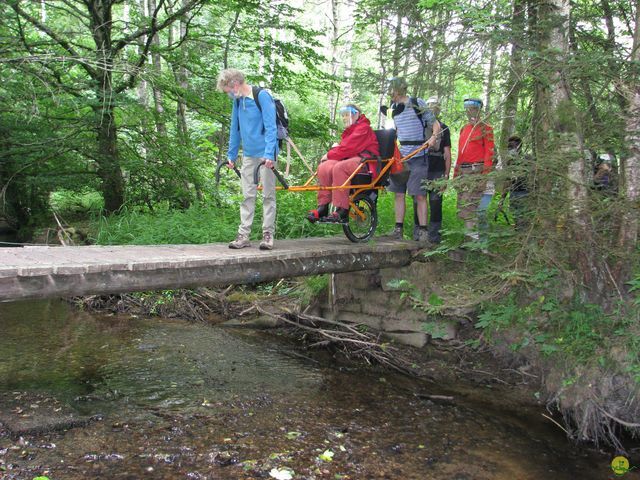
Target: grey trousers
(250, 191)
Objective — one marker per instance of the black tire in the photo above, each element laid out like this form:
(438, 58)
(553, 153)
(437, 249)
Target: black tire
(362, 229)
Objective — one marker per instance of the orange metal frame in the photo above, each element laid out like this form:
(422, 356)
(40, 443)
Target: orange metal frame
(357, 189)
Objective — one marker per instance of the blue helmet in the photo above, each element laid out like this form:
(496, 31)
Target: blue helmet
(472, 102)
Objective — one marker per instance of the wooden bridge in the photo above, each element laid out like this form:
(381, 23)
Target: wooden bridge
(42, 272)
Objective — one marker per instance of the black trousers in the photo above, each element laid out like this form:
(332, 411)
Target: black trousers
(435, 201)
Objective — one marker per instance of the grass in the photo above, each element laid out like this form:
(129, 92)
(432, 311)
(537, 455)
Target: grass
(209, 224)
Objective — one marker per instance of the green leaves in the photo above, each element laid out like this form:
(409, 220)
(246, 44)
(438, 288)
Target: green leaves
(327, 455)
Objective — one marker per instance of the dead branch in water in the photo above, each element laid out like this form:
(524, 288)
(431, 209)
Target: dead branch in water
(195, 305)
(199, 304)
(347, 338)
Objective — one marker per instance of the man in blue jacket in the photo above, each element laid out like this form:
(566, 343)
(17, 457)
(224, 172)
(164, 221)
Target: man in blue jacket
(253, 126)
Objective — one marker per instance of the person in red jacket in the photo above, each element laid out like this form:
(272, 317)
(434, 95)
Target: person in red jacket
(340, 162)
(475, 156)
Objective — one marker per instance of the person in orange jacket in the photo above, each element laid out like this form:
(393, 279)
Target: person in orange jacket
(475, 157)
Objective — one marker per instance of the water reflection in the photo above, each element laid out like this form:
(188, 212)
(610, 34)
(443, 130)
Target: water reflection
(86, 358)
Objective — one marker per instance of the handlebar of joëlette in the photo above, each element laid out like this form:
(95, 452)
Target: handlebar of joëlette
(221, 164)
(281, 179)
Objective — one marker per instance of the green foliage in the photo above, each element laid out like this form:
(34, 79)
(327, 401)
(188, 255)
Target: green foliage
(166, 226)
(574, 332)
(435, 330)
(634, 287)
(71, 204)
(432, 306)
(313, 286)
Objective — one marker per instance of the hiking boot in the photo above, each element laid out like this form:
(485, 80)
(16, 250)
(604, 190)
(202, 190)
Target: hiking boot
(314, 215)
(434, 232)
(423, 237)
(241, 241)
(396, 233)
(267, 241)
(341, 215)
(416, 232)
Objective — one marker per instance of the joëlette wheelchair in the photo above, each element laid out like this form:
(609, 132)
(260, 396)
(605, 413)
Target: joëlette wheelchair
(363, 186)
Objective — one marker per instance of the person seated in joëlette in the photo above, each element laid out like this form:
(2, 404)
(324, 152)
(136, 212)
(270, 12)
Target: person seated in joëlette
(337, 165)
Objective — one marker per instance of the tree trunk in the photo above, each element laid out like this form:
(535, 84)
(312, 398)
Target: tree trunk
(183, 83)
(227, 41)
(562, 144)
(383, 69)
(610, 47)
(156, 62)
(333, 100)
(443, 85)
(630, 164)
(397, 47)
(488, 86)
(583, 82)
(109, 169)
(349, 63)
(514, 81)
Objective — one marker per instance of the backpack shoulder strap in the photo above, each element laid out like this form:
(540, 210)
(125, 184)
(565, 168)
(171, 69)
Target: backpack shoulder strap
(256, 92)
(416, 107)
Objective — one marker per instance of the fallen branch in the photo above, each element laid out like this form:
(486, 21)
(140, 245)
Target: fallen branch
(352, 342)
(561, 427)
(616, 419)
(435, 398)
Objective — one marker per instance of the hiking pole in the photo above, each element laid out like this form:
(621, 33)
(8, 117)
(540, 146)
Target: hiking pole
(256, 175)
(221, 164)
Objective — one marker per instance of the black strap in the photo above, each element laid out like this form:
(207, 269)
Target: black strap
(372, 156)
(411, 142)
(416, 108)
(256, 96)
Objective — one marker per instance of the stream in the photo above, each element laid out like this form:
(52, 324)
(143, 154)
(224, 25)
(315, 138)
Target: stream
(94, 396)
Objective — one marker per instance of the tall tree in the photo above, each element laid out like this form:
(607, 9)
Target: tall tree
(515, 74)
(630, 162)
(108, 72)
(156, 63)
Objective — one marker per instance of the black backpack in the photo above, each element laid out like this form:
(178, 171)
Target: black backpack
(282, 118)
(428, 130)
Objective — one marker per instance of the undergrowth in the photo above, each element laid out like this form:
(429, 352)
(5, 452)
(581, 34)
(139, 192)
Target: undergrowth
(209, 223)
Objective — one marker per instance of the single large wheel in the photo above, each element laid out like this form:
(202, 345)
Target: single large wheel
(363, 219)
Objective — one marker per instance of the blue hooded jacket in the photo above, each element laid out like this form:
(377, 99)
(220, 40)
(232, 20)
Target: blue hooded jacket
(257, 132)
